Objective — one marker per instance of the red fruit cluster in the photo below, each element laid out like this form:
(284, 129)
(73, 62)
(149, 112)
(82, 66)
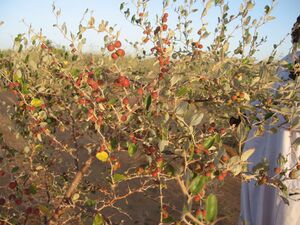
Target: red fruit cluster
(133, 138)
(122, 81)
(101, 99)
(13, 85)
(165, 18)
(197, 45)
(149, 150)
(116, 47)
(94, 84)
(94, 118)
(222, 176)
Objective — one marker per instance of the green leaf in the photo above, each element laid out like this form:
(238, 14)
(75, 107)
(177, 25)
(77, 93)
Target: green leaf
(182, 91)
(197, 184)
(112, 101)
(117, 177)
(90, 203)
(217, 138)
(32, 189)
(245, 156)
(269, 115)
(168, 220)
(175, 79)
(98, 220)
(209, 142)
(207, 7)
(122, 6)
(36, 102)
(15, 169)
(196, 119)
(148, 102)
(132, 148)
(211, 206)
(181, 108)
(113, 144)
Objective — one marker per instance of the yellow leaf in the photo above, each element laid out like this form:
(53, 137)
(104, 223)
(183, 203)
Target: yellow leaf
(36, 102)
(102, 156)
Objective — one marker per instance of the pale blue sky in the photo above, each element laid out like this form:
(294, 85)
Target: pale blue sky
(39, 14)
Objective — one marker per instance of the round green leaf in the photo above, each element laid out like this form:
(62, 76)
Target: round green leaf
(211, 207)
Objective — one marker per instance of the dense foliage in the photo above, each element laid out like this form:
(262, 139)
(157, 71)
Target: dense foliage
(103, 127)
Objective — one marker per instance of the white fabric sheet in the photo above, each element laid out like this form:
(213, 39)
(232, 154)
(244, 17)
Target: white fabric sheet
(261, 204)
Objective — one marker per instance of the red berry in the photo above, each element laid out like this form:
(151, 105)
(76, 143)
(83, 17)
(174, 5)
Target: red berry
(225, 158)
(118, 44)
(198, 212)
(125, 83)
(110, 47)
(222, 131)
(164, 27)
(120, 52)
(140, 91)
(123, 118)
(234, 97)
(154, 94)
(197, 198)
(100, 100)
(155, 173)
(12, 185)
(43, 46)
(208, 174)
(211, 129)
(26, 191)
(211, 165)
(277, 170)
(114, 56)
(125, 101)
(221, 177)
(203, 213)
(197, 151)
(18, 201)
(2, 173)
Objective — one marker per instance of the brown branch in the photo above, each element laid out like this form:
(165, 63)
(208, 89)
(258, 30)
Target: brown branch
(77, 179)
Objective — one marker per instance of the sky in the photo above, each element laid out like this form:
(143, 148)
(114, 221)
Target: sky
(39, 14)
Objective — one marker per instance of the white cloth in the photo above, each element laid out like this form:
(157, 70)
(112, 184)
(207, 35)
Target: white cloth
(261, 204)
